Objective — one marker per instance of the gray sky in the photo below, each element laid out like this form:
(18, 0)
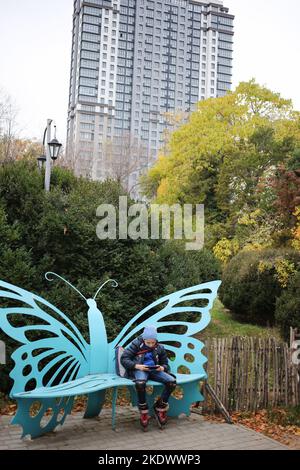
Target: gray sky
(35, 48)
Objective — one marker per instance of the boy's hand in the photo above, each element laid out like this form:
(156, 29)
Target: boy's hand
(160, 369)
(141, 367)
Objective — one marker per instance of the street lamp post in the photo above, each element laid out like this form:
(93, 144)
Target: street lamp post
(48, 157)
(52, 151)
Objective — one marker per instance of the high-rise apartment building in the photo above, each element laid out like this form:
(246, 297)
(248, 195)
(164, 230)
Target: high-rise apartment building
(133, 62)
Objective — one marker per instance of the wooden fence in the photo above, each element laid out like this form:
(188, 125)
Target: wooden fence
(252, 373)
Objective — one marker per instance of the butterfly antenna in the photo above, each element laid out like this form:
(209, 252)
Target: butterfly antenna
(49, 276)
(114, 284)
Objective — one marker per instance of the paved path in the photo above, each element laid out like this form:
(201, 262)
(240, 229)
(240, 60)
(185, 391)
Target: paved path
(193, 433)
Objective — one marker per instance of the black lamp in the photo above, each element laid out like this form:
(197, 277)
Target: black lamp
(54, 147)
(42, 161)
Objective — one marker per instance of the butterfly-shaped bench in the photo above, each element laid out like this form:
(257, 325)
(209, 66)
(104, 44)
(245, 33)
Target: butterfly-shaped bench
(57, 365)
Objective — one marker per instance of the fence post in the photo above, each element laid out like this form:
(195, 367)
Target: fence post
(248, 374)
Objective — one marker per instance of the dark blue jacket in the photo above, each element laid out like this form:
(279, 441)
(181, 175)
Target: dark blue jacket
(130, 356)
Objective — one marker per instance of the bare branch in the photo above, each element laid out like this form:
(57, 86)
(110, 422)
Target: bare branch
(8, 128)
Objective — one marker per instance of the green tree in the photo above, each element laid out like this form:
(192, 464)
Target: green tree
(224, 157)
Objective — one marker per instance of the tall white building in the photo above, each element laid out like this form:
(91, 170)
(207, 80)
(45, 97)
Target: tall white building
(134, 61)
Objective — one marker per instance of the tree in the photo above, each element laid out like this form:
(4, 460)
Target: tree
(223, 155)
(8, 128)
(286, 184)
(217, 132)
(12, 147)
(287, 311)
(242, 171)
(253, 280)
(124, 159)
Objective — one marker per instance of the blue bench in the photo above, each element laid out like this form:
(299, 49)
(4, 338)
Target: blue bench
(57, 365)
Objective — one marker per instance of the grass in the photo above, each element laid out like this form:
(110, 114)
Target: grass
(224, 323)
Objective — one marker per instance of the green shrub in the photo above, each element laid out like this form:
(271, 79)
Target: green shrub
(287, 312)
(253, 280)
(57, 232)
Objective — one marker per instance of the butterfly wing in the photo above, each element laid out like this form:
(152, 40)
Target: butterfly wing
(186, 351)
(52, 349)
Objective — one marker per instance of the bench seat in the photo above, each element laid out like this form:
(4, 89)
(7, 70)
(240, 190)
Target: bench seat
(95, 383)
(95, 386)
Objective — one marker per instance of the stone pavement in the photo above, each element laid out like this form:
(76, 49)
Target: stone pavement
(193, 433)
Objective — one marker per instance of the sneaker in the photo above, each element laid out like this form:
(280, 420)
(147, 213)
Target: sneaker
(144, 418)
(160, 410)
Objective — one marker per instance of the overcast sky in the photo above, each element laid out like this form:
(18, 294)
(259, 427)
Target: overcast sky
(35, 48)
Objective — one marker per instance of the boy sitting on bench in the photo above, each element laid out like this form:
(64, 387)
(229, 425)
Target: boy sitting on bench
(146, 359)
